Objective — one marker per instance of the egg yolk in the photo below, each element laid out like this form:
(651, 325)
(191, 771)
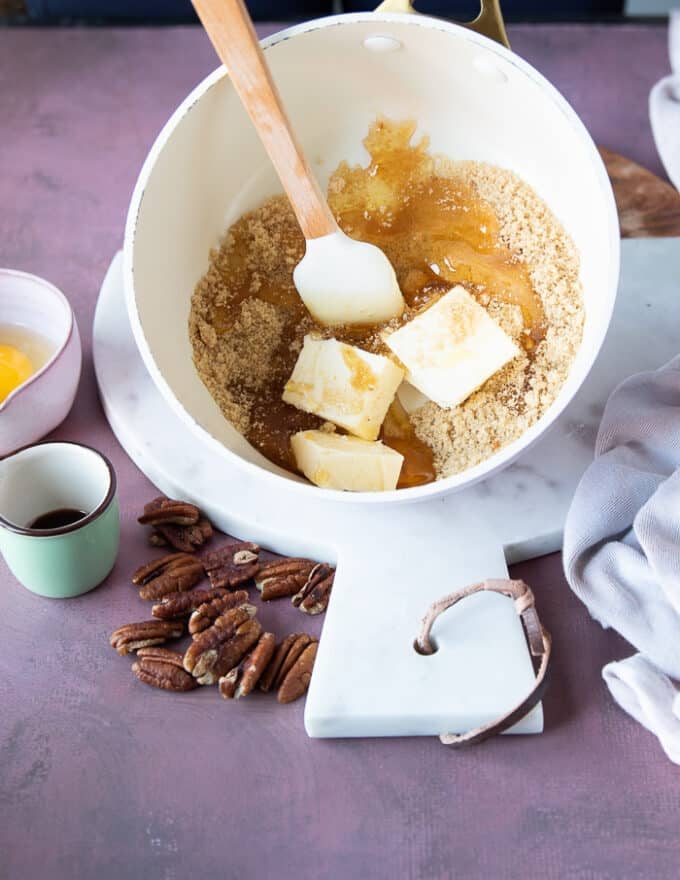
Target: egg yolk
(15, 369)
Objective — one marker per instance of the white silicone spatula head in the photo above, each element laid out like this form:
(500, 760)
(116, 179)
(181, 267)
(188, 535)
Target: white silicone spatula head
(341, 281)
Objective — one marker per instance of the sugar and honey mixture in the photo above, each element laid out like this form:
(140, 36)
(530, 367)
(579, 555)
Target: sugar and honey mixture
(440, 222)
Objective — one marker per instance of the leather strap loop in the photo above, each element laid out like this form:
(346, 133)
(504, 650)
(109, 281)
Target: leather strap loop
(538, 639)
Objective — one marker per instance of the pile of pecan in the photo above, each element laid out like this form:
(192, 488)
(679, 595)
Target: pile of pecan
(228, 645)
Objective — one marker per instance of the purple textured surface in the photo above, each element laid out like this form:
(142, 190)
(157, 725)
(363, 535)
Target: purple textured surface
(102, 777)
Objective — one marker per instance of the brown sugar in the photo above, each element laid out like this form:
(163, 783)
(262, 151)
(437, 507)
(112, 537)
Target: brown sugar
(517, 396)
(440, 223)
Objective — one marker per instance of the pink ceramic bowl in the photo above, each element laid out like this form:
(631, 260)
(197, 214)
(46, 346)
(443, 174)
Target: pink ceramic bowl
(44, 400)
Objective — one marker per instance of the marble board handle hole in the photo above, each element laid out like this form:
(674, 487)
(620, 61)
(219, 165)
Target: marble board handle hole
(418, 649)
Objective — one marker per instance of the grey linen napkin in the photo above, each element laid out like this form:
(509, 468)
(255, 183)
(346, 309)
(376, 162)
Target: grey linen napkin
(622, 546)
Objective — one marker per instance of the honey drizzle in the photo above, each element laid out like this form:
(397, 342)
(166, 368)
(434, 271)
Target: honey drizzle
(435, 231)
(397, 432)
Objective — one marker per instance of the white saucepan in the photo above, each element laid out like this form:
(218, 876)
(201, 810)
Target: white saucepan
(474, 98)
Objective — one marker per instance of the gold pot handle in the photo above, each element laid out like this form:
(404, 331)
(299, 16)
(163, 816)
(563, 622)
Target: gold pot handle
(489, 22)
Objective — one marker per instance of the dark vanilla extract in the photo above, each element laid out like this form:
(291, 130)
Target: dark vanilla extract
(57, 519)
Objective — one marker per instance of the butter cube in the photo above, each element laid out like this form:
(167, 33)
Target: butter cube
(452, 348)
(343, 384)
(336, 461)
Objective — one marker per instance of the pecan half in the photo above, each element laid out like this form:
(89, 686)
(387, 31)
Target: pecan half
(133, 636)
(241, 680)
(283, 577)
(296, 681)
(206, 656)
(162, 511)
(314, 595)
(176, 605)
(208, 612)
(169, 574)
(184, 538)
(161, 668)
(232, 564)
(146, 572)
(291, 657)
(176, 523)
(285, 656)
(232, 651)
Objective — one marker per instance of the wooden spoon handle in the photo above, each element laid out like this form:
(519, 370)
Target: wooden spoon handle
(231, 32)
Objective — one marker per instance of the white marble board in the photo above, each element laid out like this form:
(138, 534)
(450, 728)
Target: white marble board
(515, 515)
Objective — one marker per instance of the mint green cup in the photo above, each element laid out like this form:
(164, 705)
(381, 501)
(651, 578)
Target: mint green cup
(63, 562)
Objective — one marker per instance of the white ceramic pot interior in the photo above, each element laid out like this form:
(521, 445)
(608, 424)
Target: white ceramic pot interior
(51, 476)
(473, 99)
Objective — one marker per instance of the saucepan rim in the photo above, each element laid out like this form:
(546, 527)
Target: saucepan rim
(508, 453)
